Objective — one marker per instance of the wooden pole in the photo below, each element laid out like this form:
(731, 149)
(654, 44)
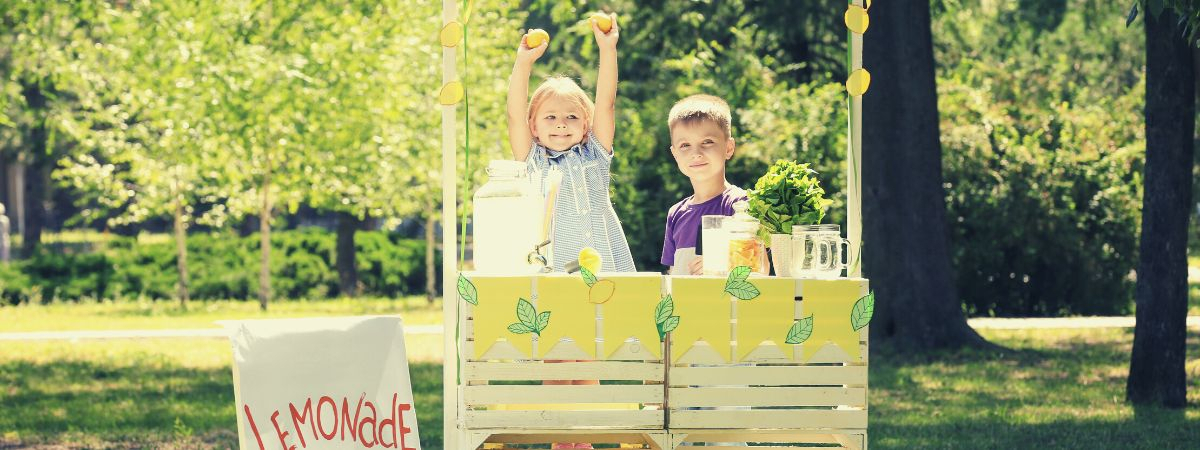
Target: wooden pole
(450, 398)
(854, 165)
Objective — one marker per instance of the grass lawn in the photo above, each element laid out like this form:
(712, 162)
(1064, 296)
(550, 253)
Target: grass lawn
(145, 315)
(1059, 389)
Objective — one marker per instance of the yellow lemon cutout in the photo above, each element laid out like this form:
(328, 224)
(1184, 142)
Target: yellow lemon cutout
(452, 93)
(589, 259)
(857, 19)
(451, 34)
(858, 82)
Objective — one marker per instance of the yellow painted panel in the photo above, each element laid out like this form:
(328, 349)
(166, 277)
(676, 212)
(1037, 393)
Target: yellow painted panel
(497, 309)
(704, 314)
(830, 303)
(571, 315)
(767, 317)
(630, 312)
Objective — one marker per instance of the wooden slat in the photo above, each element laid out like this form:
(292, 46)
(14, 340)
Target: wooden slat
(635, 419)
(809, 436)
(770, 418)
(497, 394)
(767, 396)
(598, 370)
(545, 436)
(769, 375)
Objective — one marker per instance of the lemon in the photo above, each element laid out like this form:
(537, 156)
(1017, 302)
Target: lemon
(589, 259)
(536, 38)
(603, 21)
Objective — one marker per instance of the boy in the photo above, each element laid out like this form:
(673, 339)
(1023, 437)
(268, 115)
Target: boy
(701, 142)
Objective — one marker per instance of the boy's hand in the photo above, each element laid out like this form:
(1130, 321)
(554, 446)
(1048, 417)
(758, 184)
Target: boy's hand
(696, 266)
(606, 41)
(526, 55)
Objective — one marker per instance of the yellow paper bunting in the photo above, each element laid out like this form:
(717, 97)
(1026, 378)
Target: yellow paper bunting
(830, 302)
(451, 93)
(498, 297)
(858, 82)
(704, 314)
(451, 34)
(857, 19)
(630, 313)
(571, 315)
(768, 317)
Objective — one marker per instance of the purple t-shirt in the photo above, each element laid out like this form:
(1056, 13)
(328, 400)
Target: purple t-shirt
(683, 220)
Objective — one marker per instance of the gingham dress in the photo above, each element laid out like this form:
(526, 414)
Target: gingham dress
(583, 212)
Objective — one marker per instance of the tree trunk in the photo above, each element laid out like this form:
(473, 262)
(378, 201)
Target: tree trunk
(37, 178)
(181, 287)
(264, 243)
(347, 262)
(1156, 367)
(906, 250)
(430, 270)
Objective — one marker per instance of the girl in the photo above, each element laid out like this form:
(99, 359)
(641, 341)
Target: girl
(563, 132)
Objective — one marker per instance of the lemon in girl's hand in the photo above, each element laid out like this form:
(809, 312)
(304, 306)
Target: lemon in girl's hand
(603, 21)
(589, 259)
(536, 37)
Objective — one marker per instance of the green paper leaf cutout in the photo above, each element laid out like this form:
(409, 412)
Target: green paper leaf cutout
(670, 324)
(664, 310)
(743, 290)
(543, 319)
(519, 328)
(801, 330)
(739, 273)
(588, 276)
(527, 314)
(863, 309)
(467, 291)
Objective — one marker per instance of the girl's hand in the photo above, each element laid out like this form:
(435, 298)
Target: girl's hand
(527, 55)
(606, 41)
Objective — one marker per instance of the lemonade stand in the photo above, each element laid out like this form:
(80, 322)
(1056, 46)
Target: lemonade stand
(737, 360)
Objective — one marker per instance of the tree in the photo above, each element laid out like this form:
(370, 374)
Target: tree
(905, 237)
(145, 146)
(41, 46)
(1156, 370)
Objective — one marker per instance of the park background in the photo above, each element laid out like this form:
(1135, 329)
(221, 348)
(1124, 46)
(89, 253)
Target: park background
(142, 144)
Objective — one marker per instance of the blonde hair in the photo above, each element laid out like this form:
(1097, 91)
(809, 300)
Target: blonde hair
(701, 107)
(560, 86)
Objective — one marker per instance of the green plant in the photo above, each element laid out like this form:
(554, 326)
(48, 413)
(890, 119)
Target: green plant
(788, 194)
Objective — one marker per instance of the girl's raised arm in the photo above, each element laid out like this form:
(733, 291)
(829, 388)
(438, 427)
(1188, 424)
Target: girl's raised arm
(604, 124)
(520, 138)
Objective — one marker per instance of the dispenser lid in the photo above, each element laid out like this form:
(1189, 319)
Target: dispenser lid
(506, 168)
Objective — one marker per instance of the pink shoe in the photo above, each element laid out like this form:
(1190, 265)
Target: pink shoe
(584, 445)
(562, 446)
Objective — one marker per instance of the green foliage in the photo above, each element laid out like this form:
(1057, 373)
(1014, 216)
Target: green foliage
(222, 266)
(788, 194)
(1043, 150)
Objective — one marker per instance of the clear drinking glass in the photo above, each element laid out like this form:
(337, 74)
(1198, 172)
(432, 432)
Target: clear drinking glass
(716, 245)
(817, 251)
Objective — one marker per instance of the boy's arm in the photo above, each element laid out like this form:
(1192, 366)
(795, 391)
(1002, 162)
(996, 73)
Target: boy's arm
(604, 124)
(520, 138)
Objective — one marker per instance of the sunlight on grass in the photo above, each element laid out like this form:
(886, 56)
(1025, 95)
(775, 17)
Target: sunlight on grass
(133, 315)
(1059, 388)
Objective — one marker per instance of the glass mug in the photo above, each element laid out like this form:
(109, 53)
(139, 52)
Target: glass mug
(817, 251)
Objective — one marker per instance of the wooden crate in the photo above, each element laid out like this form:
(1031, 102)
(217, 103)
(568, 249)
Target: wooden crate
(502, 398)
(768, 394)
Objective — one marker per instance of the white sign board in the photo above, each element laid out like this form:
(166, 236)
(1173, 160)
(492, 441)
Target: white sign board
(327, 383)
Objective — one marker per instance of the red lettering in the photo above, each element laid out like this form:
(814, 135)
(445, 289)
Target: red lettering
(282, 434)
(299, 418)
(403, 429)
(346, 417)
(253, 427)
(388, 422)
(365, 421)
(321, 423)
